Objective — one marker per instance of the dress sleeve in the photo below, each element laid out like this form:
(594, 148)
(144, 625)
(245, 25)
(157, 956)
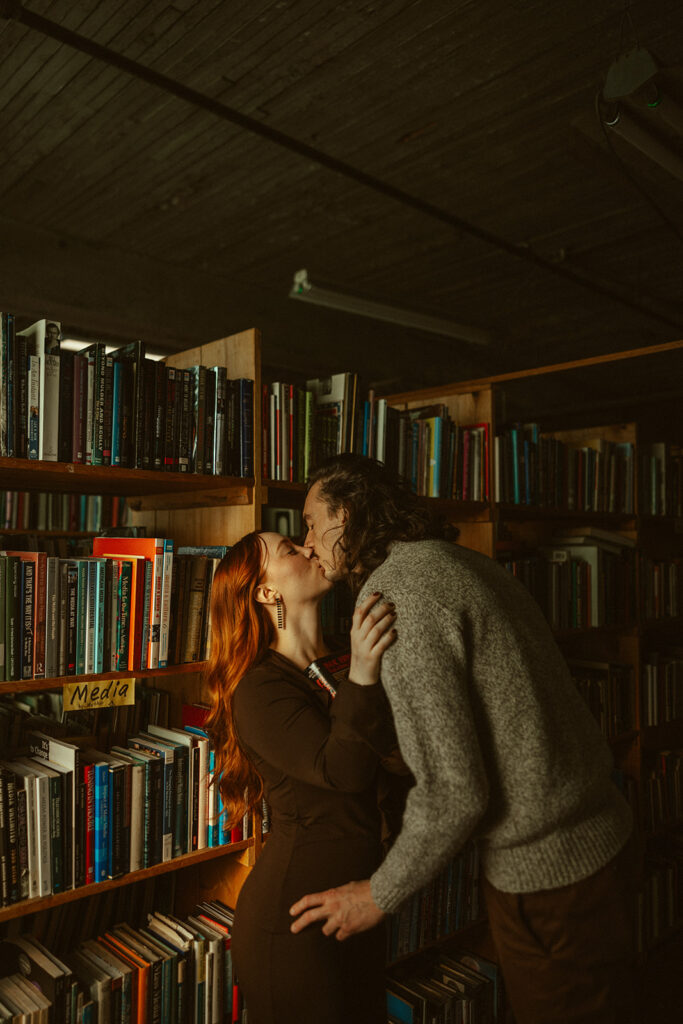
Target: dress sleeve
(277, 721)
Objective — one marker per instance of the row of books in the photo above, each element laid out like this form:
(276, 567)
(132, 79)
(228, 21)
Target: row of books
(303, 424)
(45, 711)
(579, 586)
(531, 468)
(23, 510)
(119, 408)
(129, 606)
(71, 816)
(439, 457)
(660, 902)
(662, 791)
(169, 970)
(608, 690)
(661, 584)
(456, 986)
(449, 902)
(662, 687)
(660, 479)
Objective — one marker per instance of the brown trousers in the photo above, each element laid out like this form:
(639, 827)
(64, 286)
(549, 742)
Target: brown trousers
(567, 955)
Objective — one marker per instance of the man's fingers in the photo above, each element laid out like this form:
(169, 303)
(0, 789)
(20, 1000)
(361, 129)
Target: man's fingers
(315, 914)
(311, 899)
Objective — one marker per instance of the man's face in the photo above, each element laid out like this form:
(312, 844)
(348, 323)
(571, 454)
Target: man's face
(323, 530)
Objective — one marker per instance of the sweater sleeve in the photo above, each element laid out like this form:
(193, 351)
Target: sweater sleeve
(278, 722)
(426, 678)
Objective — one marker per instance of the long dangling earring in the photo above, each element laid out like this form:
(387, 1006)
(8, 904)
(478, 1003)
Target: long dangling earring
(280, 613)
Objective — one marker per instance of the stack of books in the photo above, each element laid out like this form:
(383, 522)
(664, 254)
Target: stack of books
(170, 968)
(440, 458)
(129, 606)
(449, 902)
(531, 468)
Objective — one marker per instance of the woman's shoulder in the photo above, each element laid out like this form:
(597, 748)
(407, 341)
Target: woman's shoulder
(271, 673)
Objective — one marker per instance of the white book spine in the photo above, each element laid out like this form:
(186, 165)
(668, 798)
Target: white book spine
(49, 408)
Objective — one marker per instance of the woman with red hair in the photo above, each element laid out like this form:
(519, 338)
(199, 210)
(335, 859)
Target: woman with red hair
(276, 733)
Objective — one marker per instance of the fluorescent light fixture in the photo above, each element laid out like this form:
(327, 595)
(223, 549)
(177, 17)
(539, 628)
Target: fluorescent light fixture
(304, 290)
(629, 129)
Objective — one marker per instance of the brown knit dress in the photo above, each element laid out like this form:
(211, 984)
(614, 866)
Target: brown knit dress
(320, 782)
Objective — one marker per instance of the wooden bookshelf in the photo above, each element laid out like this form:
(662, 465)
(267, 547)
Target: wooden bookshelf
(191, 509)
(187, 860)
(57, 682)
(144, 489)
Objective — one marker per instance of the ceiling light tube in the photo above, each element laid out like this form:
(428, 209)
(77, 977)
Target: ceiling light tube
(304, 290)
(629, 129)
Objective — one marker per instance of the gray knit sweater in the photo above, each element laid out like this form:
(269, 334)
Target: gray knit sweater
(501, 745)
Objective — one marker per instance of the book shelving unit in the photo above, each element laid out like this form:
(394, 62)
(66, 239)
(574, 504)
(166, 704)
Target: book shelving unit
(190, 509)
(194, 509)
(632, 396)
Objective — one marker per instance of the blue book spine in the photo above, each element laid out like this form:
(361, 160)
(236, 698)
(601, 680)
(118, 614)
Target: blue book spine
(213, 833)
(101, 838)
(366, 427)
(116, 415)
(514, 445)
(223, 830)
(435, 490)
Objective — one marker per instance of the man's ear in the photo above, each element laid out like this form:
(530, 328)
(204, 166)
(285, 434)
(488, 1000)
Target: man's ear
(265, 595)
(344, 515)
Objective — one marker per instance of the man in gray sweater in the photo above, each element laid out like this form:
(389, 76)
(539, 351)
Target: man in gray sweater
(502, 747)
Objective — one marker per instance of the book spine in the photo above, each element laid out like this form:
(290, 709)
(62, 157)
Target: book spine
(52, 617)
(33, 410)
(185, 430)
(246, 405)
(66, 406)
(28, 580)
(40, 610)
(23, 863)
(170, 454)
(49, 408)
(210, 423)
(159, 415)
(116, 413)
(107, 412)
(165, 617)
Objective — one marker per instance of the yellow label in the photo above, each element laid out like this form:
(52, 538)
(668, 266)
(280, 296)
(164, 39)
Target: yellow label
(100, 693)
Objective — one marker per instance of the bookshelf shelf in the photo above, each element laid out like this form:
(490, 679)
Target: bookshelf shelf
(146, 489)
(187, 860)
(283, 494)
(472, 511)
(35, 532)
(466, 932)
(535, 513)
(55, 683)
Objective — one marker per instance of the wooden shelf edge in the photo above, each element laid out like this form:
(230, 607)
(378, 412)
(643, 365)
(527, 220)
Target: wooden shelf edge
(32, 906)
(539, 512)
(151, 485)
(56, 682)
(466, 930)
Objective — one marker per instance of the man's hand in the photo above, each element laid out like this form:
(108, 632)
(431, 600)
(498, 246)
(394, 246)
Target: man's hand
(346, 910)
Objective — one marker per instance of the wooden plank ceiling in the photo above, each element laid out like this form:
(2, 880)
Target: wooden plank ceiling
(129, 212)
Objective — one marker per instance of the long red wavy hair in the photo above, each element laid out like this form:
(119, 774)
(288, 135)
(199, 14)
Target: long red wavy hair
(241, 633)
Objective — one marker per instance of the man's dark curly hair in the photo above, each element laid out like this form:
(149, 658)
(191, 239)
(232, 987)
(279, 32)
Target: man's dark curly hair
(381, 509)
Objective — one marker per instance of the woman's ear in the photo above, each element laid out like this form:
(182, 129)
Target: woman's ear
(265, 595)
